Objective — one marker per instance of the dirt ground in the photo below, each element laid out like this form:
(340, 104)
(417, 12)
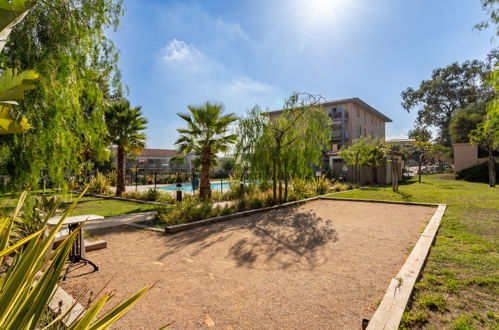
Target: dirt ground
(323, 265)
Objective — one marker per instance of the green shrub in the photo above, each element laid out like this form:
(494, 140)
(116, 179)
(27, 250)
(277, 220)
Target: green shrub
(338, 186)
(132, 194)
(478, 173)
(112, 177)
(301, 188)
(151, 195)
(265, 185)
(189, 210)
(99, 184)
(322, 184)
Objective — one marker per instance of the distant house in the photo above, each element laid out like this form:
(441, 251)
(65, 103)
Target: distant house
(351, 118)
(156, 160)
(467, 155)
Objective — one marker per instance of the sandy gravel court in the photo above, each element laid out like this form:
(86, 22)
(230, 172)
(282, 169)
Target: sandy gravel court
(322, 265)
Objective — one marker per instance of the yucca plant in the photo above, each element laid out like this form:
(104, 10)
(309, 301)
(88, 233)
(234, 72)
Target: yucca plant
(99, 184)
(322, 184)
(31, 274)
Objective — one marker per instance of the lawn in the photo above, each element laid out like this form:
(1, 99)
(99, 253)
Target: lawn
(87, 205)
(459, 286)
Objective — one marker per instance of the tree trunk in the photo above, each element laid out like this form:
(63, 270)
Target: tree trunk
(120, 180)
(492, 170)
(395, 185)
(285, 182)
(280, 181)
(274, 176)
(375, 174)
(205, 187)
(420, 159)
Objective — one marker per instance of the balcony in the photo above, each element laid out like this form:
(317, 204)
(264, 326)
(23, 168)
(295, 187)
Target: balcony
(339, 135)
(339, 116)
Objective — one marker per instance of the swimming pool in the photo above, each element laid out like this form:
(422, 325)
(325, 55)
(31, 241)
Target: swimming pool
(188, 187)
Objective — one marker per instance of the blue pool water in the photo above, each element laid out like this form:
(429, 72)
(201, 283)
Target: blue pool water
(188, 187)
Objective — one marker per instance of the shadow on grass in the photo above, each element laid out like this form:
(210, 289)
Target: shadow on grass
(276, 239)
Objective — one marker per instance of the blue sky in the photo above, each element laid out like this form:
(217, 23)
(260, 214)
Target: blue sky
(242, 53)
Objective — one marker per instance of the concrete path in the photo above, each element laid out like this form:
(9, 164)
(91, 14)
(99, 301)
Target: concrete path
(119, 220)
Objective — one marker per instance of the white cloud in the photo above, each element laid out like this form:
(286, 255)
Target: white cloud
(203, 78)
(177, 50)
(245, 85)
(229, 30)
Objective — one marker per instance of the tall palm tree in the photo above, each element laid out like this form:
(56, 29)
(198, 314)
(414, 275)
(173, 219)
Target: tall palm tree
(206, 135)
(125, 127)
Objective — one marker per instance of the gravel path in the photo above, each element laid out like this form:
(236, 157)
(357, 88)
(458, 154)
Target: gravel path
(325, 264)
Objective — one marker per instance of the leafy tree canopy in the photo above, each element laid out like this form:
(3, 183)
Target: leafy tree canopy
(450, 89)
(491, 7)
(64, 41)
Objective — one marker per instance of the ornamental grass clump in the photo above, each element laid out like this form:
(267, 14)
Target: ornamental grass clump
(322, 184)
(31, 271)
(99, 184)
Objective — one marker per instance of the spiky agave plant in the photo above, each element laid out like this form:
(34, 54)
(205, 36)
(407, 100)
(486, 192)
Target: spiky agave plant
(30, 275)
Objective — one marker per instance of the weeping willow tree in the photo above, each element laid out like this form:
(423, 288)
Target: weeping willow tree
(65, 42)
(280, 146)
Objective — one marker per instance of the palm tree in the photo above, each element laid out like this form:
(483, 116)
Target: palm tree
(175, 162)
(125, 127)
(375, 157)
(206, 135)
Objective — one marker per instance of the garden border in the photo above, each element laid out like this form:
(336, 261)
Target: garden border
(128, 199)
(188, 225)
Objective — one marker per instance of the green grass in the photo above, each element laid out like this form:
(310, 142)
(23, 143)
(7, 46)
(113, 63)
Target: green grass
(459, 286)
(87, 205)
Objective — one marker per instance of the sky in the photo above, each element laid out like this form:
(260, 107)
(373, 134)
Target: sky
(243, 53)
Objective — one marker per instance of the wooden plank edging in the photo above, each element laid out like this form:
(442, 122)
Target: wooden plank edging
(391, 309)
(379, 201)
(205, 222)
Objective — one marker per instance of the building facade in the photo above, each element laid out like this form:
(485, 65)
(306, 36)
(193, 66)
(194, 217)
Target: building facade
(351, 118)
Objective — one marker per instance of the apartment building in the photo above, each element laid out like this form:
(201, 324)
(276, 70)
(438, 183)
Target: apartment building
(352, 118)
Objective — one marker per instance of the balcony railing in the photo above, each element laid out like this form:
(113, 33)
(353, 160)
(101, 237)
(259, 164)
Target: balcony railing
(339, 116)
(339, 135)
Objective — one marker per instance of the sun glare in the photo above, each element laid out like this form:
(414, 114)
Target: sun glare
(316, 14)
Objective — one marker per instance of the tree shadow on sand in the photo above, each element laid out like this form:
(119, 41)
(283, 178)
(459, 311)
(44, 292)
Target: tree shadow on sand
(290, 237)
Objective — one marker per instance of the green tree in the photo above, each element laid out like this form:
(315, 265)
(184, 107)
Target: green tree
(421, 149)
(421, 133)
(492, 9)
(175, 162)
(126, 127)
(486, 136)
(465, 120)
(65, 42)
(375, 156)
(284, 145)
(355, 155)
(450, 89)
(487, 133)
(207, 134)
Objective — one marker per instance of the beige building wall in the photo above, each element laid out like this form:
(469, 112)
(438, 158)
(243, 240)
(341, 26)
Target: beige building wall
(466, 155)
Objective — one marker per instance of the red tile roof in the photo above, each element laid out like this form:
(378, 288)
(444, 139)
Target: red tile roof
(158, 153)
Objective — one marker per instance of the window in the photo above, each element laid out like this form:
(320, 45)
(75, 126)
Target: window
(358, 131)
(358, 112)
(372, 119)
(365, 117)
(365, 132)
